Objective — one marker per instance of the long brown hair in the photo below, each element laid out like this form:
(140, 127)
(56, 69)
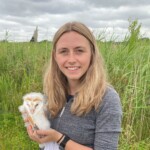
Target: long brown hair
(93, 82)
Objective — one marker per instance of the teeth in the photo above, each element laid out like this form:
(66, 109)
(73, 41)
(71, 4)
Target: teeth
(72, 68)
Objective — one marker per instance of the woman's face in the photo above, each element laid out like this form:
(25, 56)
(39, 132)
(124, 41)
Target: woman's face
(73, 55)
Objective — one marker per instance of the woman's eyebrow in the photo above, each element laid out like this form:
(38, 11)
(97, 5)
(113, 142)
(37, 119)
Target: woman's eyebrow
(62, 48)
(78, 47)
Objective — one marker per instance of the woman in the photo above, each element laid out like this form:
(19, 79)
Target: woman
(85, 111)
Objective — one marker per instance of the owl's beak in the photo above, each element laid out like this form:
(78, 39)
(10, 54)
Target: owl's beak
(32, 111)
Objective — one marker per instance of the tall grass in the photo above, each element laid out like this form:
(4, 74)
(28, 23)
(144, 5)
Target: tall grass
(21, 66)
(21, 69)
(129, 72)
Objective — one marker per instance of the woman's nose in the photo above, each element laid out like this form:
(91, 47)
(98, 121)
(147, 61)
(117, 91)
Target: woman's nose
(71, 57)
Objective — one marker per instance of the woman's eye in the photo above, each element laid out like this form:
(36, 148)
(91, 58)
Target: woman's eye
(79, 51)
(63, 51)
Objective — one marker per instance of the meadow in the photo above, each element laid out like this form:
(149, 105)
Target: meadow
(128, 65)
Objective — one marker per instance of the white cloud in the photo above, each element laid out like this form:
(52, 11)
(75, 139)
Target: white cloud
(21, 17)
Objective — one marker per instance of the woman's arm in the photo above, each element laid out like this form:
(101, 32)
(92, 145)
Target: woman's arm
(71, 145)
(108, 122)
(51, 135)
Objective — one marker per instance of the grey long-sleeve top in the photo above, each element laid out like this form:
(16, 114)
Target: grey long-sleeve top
(98, 129)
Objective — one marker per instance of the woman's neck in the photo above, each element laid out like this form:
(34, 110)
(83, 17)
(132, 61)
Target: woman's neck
(73, 86)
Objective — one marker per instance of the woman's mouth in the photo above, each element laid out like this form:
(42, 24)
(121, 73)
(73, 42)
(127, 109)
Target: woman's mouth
(73, 68)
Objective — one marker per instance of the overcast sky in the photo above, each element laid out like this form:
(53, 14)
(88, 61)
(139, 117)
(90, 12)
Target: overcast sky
(108, 18)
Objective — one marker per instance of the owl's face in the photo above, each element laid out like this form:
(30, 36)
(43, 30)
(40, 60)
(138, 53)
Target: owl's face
(33, 102)
(34, 105)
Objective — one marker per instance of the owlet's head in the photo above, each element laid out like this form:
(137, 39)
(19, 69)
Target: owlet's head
(34, 102)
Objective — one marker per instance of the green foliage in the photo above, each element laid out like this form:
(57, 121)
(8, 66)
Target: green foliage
(21, 69)
(134, 30)
(129, 72)
(22, 66)
(13, 135)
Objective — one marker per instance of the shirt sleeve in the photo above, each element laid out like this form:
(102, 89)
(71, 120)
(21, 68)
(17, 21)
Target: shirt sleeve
(108, 122)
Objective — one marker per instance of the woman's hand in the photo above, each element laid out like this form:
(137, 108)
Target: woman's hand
(43, 136)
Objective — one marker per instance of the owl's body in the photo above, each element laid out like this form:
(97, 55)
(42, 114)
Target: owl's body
(34, 104)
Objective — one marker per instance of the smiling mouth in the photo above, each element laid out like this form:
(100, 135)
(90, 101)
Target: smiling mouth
(73, 68)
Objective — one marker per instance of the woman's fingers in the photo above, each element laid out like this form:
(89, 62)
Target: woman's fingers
(49, 135)
(30, 130)
(43, 136)
(34, 136)
(43, 132)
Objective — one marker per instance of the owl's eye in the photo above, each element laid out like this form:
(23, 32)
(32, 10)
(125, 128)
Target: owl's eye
(36, 105)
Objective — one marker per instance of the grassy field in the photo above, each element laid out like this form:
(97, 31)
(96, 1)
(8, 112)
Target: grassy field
(128, 66)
